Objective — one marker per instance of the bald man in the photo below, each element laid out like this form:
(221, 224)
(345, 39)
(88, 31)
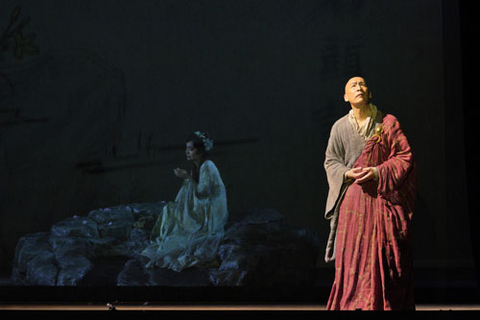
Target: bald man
(372, 186)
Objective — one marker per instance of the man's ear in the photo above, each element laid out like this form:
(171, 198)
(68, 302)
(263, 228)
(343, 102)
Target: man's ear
(345, 97)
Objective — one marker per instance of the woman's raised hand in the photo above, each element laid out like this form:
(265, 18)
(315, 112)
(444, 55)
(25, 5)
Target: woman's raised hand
(181, 173)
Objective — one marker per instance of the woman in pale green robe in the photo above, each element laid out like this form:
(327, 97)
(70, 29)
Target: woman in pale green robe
(190, 228)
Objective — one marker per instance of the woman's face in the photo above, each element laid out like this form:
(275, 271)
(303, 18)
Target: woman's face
(191, 152)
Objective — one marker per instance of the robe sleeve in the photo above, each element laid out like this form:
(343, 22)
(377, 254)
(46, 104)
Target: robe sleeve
(206, 180)
(394, 172)
(335, 169)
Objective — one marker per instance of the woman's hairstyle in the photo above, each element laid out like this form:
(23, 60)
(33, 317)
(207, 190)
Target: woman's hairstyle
(201, 142)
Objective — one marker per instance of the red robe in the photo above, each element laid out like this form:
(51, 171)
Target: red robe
(373, 257)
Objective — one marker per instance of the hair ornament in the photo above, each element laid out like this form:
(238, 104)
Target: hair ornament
(208, 143)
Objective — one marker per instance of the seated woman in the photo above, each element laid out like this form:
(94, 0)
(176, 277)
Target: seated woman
(190, 228)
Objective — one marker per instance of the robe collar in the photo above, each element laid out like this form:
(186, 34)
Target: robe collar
(366, 129)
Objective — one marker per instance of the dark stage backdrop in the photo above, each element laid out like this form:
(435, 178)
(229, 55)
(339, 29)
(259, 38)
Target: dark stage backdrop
(122, 83)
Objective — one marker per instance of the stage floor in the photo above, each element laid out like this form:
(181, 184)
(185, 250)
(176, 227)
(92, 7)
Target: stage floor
(209, 308)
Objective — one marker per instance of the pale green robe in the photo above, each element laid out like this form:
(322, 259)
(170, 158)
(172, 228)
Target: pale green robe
(190, 228)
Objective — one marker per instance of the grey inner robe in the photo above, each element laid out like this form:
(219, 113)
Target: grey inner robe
(344, 147)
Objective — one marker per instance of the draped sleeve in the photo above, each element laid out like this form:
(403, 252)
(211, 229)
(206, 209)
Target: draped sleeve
(206, 180)
(336, 165)
(396, 179)
(335, 168)
(211, 189)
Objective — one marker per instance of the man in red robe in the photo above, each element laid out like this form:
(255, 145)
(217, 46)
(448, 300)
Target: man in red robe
(372, 186)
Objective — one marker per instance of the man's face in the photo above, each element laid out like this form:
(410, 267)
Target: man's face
(356, 92)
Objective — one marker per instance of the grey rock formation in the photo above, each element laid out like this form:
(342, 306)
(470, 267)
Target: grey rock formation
(262, 250)
(104, 248)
